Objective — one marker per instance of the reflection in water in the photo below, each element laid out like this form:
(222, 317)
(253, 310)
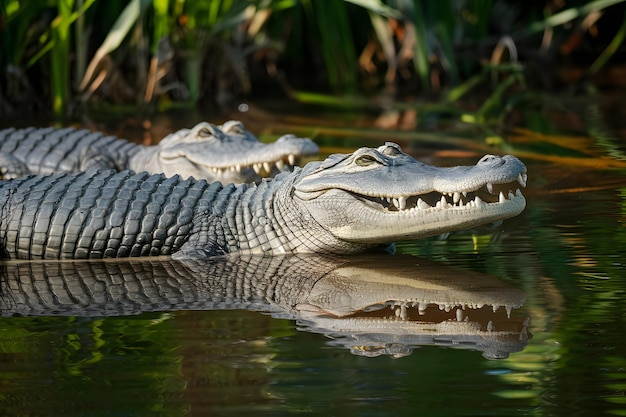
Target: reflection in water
(372, 305)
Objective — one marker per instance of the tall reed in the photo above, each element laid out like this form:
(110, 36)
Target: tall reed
(166, 51)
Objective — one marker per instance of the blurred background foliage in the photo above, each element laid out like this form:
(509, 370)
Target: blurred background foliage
(63, 56)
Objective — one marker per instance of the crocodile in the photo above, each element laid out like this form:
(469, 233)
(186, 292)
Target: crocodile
(345, 204)
(371, 304)
(226, 153)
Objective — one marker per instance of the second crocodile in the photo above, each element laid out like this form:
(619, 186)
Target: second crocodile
(226, 153)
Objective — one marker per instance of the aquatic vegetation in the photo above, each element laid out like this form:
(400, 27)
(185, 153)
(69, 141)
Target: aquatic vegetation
(164, 53)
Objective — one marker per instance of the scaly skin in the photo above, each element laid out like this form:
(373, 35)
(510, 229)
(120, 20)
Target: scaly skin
(345, 204)
(11, 167)
(226, 153)
(373, 304)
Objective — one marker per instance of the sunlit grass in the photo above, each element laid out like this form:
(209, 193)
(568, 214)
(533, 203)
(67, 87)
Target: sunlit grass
(179, 51)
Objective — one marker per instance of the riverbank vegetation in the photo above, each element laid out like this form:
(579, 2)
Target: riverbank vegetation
(66, 55)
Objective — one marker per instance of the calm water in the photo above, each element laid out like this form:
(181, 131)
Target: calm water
(563, 259)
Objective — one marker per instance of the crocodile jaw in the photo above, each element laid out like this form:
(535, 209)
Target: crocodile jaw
(356, 219)
(238, 172)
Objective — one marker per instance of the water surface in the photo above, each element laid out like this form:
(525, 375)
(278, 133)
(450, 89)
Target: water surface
(565, 254)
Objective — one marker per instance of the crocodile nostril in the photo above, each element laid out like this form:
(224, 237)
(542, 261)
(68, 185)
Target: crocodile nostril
(491, 159)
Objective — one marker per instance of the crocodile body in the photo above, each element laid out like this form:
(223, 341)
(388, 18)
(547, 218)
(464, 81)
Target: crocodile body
(226, 153)
(372, 305)
(343, 205)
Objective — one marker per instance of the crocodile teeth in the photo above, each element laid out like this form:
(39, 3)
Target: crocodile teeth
(267, 167)
(257, 168)
(459, 315)
(401, 203)
(522, 178)
(421, 204)
(403, 313)
(292, 159)
(280, 164)
(448, 200)
(490, 187)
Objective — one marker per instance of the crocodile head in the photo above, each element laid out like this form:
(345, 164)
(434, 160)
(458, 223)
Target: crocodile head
(381, 195)
(229, 153)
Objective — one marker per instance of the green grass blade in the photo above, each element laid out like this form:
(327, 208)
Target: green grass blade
(60, 53)
(568, 15)
(160, 22)
(493, 105)
(16, 22)
(481, 10)
(337, 44)
(610, 50)
(456, 93)
(116, 35)
(421, 52)
(69, 19)
(448, 56)
(122, 26)
(377, 7)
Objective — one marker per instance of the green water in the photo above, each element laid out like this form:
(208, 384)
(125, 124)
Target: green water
(566, 252)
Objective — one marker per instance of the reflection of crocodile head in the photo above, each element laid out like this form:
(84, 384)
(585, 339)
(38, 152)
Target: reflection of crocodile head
(373, 305)
(375, 309)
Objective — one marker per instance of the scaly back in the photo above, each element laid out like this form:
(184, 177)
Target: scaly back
(99, 214)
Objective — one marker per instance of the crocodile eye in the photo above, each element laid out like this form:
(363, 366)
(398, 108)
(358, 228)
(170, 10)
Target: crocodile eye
(238, 129)
(365, 160)
(392, 151)
(205, 132)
